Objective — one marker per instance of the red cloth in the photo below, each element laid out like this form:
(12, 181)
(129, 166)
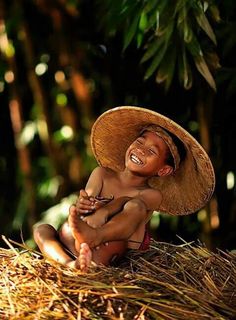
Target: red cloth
(146, 241)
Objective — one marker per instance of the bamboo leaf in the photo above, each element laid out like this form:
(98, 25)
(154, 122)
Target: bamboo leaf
(185, 30)
(205, 25)
(150, 6)
(215, 14)
(188, 34)
(166, 70)
(166, 35)
(143, 22)
(155, 63)
(201, 65)
(139, 39)
(131, 31)
(205, 72)
(153, 48)
(184, 71)
(182, 14)
(194, 47)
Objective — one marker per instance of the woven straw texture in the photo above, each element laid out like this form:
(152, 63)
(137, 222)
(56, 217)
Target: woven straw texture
(184, 192)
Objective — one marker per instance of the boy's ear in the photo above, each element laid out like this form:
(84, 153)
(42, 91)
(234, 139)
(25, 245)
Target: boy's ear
(165, 171)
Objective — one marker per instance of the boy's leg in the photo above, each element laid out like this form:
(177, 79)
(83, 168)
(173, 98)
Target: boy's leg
(109, 252)
(46, 238)
(67, 238)
(105, 254)
(120, 227)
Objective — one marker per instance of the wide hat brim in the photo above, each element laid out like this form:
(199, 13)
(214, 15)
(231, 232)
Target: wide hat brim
(184, 192)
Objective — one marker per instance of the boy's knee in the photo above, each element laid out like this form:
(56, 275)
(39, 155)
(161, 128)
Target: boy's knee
(41, 230)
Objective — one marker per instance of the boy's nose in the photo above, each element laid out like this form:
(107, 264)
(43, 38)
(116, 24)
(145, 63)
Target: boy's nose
(141, 151)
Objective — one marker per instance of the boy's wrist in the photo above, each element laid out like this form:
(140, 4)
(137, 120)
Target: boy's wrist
(105, 214)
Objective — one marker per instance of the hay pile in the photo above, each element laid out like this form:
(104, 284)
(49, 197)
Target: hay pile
(167, 282)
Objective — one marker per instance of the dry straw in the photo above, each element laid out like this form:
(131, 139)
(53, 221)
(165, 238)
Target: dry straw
(167, 282)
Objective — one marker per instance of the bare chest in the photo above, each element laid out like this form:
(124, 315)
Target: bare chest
(113, 187)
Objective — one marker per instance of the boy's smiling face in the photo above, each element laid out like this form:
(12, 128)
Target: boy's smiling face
(147, 155)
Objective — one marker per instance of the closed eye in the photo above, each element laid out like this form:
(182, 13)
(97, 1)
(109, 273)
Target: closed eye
(140, 141)
(152, 151)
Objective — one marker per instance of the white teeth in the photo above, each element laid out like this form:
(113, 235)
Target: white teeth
(135, 159)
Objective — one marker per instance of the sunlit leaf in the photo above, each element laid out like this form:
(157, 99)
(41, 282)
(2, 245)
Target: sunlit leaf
(194, 47)
(155, 63)
(153, 48)
(160, 51)
(188, 34)
(143, 22)
(205, 72)
(183, 26)
(131, 32)
(185, 74)
(181, 13)
(167, 67)
(204, 24)
(139, 39)
(215, 14)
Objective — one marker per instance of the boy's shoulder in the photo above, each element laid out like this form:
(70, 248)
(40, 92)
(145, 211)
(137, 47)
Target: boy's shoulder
(152, 197)
(151, 192)
(103, 171)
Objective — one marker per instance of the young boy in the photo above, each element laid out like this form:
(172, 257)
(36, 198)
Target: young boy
(141, 167)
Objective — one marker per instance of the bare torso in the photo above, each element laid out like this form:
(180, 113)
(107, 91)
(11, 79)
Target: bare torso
(113, 185)
(105, 182)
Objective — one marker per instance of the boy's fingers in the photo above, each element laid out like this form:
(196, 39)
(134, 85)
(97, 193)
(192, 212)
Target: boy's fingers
(84, 202)
(88, 205)
(85, 207)
(83, 194)
(73, 207)
(84, 211)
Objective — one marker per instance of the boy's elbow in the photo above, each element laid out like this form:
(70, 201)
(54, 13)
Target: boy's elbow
(136, 205)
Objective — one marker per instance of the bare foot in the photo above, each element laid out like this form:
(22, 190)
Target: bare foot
(85, 257)
(81, 232)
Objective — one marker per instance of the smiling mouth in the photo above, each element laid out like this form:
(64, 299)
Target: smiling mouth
(135, 159)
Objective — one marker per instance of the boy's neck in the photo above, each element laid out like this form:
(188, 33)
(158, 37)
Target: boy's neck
(129, 179)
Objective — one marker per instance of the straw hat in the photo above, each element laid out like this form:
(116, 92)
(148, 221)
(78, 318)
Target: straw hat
(185, 191)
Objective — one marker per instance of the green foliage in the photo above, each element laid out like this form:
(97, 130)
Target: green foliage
(175, 36)
(58, 213)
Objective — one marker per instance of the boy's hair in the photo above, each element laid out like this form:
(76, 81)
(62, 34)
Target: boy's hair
(181, 150)
(173, 157)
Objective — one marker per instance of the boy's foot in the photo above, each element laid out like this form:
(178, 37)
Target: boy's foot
(83, 260)
(81, 232)
(85, 257)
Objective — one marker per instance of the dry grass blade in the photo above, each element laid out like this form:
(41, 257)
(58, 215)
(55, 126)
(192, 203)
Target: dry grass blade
(167, 282)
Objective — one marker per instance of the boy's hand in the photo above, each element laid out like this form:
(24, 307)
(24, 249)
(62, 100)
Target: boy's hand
(85, 204)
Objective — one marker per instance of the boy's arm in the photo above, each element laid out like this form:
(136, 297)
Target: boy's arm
(103, 214)
(86, 201)
(95, 181)
(113, 207)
